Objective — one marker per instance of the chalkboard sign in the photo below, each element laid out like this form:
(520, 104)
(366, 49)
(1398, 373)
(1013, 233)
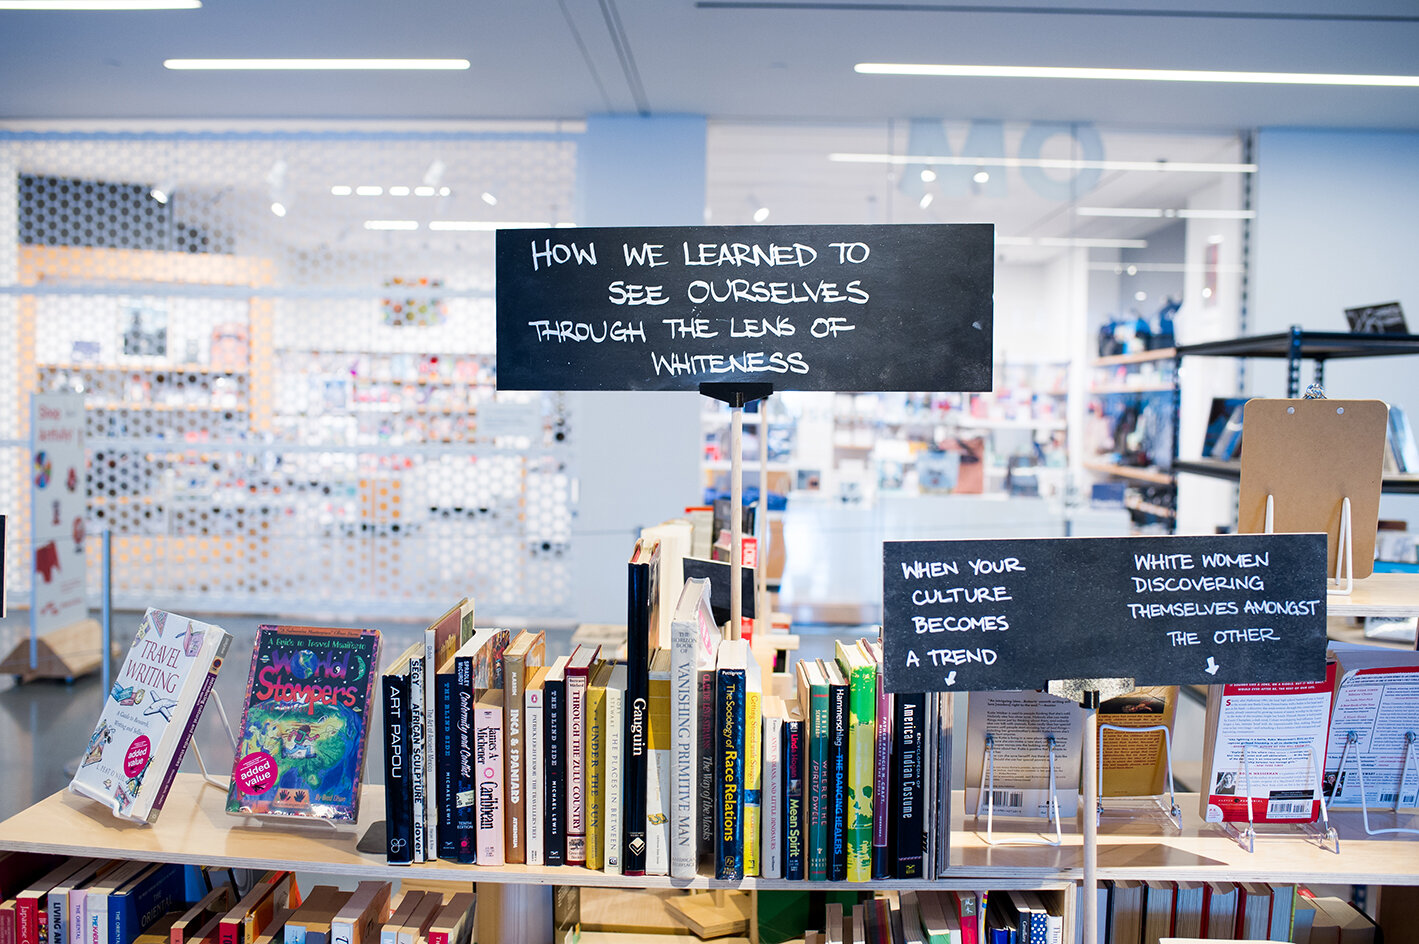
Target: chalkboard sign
(835, 308)
(1015, 614)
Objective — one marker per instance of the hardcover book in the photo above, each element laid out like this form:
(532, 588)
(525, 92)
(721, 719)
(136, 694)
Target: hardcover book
(594, 767)
(813, 701)
(488, 767)
(642, 625)
(861, 674)
(150, 714)
(615, 757)
(906, 807)
(694, 640)
(554, 741)
(441, 640)
(305, 723)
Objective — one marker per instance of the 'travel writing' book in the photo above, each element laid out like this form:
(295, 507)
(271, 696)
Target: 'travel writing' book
(150, 714)
(305, 722)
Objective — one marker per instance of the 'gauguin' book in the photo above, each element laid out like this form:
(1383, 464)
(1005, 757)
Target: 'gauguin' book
(305, 722)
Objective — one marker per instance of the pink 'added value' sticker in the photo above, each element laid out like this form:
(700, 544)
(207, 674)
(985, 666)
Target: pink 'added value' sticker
(137, 756)
(256, 772)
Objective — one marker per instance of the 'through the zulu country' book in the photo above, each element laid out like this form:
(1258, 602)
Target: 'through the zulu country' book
(150, 713)
(305, 723)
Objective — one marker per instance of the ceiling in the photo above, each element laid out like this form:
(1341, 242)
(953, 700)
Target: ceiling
(566, 59)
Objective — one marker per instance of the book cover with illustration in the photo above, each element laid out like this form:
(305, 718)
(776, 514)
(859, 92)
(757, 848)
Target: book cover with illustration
(305, 722)
(150, 714)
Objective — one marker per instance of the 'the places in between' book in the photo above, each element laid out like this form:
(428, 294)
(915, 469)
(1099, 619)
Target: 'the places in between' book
(305, 723)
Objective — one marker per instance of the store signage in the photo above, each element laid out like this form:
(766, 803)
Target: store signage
(58, 510)
(861, 308)
(1017, 614)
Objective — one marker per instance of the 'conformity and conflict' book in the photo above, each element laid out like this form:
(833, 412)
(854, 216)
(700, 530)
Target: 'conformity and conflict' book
(305, 723)
(150, 714)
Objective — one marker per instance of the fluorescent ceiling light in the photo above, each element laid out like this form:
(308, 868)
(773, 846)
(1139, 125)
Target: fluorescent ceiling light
(1128, 212)
(1160, 213)
(399, 191)
(424, 191)
(489, 198)
(1071, 242)
(1142, 75)
(341, 190)
(111, 5)
(981, 177)
(369, 190)
(392, 224)
(278, 208)
(483, 226)
(383, 65)
(1192, 167)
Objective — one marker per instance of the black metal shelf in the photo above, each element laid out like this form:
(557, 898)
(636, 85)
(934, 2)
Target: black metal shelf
(1297, 345)
(1232, 471)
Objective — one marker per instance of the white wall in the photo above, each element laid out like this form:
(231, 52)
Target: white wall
(1337, 227)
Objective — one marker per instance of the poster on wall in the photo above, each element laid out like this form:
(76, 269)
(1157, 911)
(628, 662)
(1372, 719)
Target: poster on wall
(58, 510)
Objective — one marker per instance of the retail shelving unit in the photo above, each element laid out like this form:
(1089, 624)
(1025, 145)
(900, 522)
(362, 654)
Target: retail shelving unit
(1296, 346)
(1147, 380)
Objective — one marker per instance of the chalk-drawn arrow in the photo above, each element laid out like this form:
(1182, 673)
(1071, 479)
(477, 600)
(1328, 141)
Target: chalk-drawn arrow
(1212, 666)
(951, 679)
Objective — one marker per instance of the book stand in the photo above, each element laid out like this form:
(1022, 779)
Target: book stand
(1323, 833)
(224, 785)
(1352, 740)
(1345, 555)
(988, 799)
(1172, 811)
(736, 395)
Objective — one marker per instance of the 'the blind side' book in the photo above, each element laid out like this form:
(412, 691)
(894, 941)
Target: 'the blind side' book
(642, 623)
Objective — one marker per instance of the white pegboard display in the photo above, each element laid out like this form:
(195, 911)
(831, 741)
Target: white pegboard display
(285, 341)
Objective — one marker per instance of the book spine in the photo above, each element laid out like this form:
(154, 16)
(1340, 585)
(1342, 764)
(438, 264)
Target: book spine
(535, 782)
(27, 919)
(229, 931)
(9, 934)
(431, 727)
(576, 774)
(704, 755)
(862, 734)
(57, 904)
(682, 752)
(514, 831)
(636, 766)
(819, 775)
(753, 778)
(594, 767)
(417, 771)
(771, 807)
(838, 726)
(446, 704)
(793, 807)
(658, 806)
(729, 820)
(189, 726)
(882, 865)
(906, 807)
(398, 798)
(614, 764)
(553, 739)
(488, 762)
(465, 793)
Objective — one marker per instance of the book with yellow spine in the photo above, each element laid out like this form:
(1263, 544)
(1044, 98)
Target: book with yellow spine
(861, 675)
(596, 767)
(753, 768)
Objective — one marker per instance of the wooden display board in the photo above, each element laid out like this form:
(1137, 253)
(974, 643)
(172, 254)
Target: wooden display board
(1016, 614)
(1310, 455)
(873, 307)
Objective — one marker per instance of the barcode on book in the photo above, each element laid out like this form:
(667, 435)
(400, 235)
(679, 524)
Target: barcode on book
(1279, 809)
(1006, 799)
(1386, 798)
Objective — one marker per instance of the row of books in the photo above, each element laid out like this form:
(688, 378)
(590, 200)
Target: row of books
(48, 900)
(1129, 913)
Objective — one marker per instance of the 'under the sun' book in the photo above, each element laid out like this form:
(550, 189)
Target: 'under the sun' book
(305, 723)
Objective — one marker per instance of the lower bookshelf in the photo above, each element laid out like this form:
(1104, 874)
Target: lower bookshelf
(196, 829)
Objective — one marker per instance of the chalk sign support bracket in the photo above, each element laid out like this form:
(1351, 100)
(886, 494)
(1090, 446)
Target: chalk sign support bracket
(1353, 740)
(1173, 812)
(737, 395)
(986, 796)
(1323, 833)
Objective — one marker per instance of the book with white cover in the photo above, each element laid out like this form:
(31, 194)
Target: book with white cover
(150, 713)
(694, 639)
(771, 817)
(1021, 724)
(615, 747)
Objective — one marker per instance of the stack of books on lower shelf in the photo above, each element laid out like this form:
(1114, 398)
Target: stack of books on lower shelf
(108, 901)
(678, 759)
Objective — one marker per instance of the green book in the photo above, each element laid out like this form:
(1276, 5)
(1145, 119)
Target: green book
(861, 674)
(813, 697)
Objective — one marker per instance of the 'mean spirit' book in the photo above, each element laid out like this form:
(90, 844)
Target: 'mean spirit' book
(150, 714)
(305, 722)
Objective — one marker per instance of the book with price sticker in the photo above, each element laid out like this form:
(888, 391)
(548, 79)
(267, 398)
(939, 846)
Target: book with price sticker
(305, 723)
(1020, 725)
(150, 714)
(1265, 742)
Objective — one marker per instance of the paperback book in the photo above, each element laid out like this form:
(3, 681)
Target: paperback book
(305, 723)
(150, 714)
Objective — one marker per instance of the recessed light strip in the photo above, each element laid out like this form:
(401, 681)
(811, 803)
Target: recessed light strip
(1192, 167)
(1160, 213)
(392, 224)
(1137, 75)
(70, 6)
(483, 226)
(381, 65)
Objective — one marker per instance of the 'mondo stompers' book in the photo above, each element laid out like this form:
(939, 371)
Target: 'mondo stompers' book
(305, 723)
